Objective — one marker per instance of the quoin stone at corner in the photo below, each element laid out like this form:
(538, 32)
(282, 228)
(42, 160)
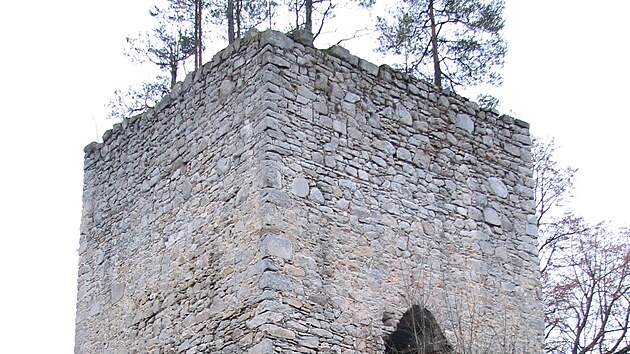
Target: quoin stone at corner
(285, 199)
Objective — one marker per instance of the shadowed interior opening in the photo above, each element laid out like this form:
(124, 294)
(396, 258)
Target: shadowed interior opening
(417, 332)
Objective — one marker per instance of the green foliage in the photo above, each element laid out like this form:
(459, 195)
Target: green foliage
(136, 99)
(189, 13)
(244, 15)
(469, 46)
(183, 10)
(166, 46)
(486, 101)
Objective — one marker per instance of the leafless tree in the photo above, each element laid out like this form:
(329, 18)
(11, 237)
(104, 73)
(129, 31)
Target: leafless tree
(585, 268)
(311, 15)
(553, 185)
(587, 294)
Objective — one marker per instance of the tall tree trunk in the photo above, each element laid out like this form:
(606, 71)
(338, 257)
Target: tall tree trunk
(308, 25)
(230, 18)
(269, 15)
(297, 14)
(199, 32)
(239, 8)
(437, 77)
(196, 22)
(173, 74)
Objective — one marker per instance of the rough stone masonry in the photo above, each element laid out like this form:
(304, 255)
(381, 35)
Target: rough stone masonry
(285, 199)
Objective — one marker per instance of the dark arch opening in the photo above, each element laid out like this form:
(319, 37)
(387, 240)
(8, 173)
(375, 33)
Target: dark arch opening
(417, 332)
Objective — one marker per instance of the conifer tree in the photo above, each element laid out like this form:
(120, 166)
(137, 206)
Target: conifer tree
(192, 12)
(167, 46)
(241, 15)
(451, 42)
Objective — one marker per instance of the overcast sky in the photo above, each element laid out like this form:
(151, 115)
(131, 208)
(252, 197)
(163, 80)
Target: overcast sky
(566, 74)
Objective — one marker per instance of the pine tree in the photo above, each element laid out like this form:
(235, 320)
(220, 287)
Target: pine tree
(167, 46)
(240, 15)
(451, 42)
(192, 12)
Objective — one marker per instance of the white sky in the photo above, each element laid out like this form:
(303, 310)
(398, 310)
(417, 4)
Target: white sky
(566, 74)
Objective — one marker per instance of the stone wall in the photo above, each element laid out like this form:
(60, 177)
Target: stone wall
(291, 200)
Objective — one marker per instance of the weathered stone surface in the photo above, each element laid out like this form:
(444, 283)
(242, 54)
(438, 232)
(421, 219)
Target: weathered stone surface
(316, 196)
(271, 179)
(186, 189)
(464, 122)
(277, 39)
(344, 54)
(421, 158)
(223, 165)
(278, 331)
(498, 187)
(370, 68)
(95, 309)
(241, 195)
(274, 281)
(265, 317)
(303, 37)
(264, 347)
(118, 290)
(277, 246)
(227, 87)
(352, 97)
(403, 114)
(275, 60)
(309, 342)
(532, 230)
(300, 187)
(288, 200)
(491, 217)
(403, 154)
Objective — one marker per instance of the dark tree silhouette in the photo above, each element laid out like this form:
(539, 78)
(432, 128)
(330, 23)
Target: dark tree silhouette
(451, 42)
(585, 268)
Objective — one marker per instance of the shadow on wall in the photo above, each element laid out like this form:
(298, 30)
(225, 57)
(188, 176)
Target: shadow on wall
(417, 332)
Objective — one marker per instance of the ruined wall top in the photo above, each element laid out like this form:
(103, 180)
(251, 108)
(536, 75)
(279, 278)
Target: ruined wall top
(284, 198)
(284, 41)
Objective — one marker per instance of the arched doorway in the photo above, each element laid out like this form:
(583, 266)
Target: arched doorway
(417, 332)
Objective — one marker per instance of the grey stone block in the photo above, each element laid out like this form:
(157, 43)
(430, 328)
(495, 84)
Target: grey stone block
(276, 246)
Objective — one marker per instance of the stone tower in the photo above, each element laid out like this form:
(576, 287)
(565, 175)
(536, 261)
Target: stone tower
(284, 199)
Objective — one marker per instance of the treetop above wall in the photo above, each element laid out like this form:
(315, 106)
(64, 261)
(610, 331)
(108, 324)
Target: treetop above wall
(286, 42)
